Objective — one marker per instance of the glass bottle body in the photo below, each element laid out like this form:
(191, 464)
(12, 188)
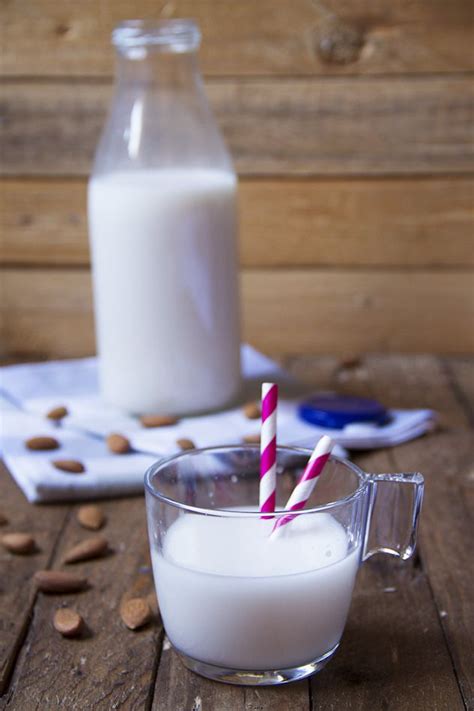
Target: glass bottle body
(163, 231)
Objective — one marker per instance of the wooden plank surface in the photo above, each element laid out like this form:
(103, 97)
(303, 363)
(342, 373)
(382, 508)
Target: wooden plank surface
(392, 655)
(446, 462)
(178, 688)
(391, 222)
(109, 666)
(462, 374)
(47, 313)
(245, 37)
(43, 222)
(445, 459)
(17, 590)
(407, 643)
(392, 622)
(446, 526)
(309, 222)
(333, 126)
(358, 311)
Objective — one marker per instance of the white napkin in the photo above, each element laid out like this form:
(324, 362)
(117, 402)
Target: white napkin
(106, 474)
(29, 391)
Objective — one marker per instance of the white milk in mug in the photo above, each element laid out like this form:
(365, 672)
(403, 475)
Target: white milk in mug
(165, 288)
(234, 596)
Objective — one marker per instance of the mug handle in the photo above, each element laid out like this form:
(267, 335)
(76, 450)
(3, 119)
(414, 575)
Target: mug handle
(394, 506)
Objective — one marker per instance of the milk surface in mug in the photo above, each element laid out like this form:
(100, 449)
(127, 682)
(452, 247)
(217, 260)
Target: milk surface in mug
(165, 287)
(231, 596)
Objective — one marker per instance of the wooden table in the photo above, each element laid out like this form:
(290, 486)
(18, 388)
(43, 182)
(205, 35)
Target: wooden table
(408, 642)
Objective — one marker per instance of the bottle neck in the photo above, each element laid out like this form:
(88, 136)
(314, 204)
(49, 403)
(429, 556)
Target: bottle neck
(158, 69)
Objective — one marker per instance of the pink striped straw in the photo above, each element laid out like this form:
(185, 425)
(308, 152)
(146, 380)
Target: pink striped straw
(268, 448)
(306, 484)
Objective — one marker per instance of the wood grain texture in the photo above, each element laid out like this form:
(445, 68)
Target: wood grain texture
(446, 526)
(357, 311)
(43, 222)
(391, 222)
(370, 222)
(246, 38)
(334, 126)
(45, 312)
(49, 313)
(446, 462)
(17, 590)
(445, 459)
(109, 666)
(462, 375)
(407, 643)
(407, 381)
(392, 646)
(178, 688)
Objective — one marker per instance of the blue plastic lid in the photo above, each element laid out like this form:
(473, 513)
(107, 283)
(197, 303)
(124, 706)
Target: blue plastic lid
(336, 411)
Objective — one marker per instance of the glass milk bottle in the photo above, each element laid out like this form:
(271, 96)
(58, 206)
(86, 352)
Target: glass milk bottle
(163, 228)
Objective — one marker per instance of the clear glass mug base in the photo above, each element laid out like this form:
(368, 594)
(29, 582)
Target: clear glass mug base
(254, 677)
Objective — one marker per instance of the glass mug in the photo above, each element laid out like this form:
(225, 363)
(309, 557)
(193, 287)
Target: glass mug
(244, 603)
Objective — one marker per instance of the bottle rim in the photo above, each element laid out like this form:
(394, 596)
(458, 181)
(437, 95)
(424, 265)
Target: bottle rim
(177, 35)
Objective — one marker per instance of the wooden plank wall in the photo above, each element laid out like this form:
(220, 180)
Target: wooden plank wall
(351, 126)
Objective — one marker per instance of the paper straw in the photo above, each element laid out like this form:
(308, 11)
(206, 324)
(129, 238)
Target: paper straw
(306, 484)
(268, 448)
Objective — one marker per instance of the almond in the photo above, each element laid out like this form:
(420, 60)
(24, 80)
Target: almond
(3, 520)
(86, 550)
(117, 443)
(135, 612)
(41, 443)
(19, 543)
(252, 410)
(251, 439)
(72, 466)
(91, 516)
(67, 622)
(158, 420)
(57, 413)
(185, 444)
(59, 581)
